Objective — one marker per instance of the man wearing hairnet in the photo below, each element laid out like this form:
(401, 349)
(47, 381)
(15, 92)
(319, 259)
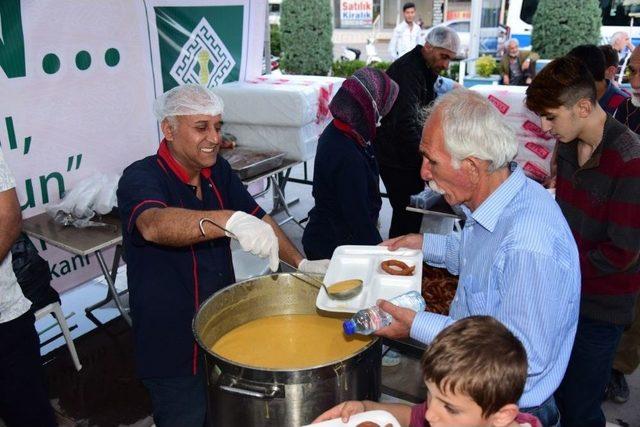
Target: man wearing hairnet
(174, 206)
(397, 141)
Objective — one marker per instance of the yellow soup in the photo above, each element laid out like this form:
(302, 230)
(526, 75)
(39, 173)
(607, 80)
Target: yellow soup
(288, 342)
(345, 285)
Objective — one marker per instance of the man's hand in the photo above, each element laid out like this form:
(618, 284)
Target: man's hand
(409, 241)
(402, 321)
(314, 267)
(343, 410)
(255, 236)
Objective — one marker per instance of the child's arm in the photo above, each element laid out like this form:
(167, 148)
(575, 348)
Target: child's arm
(345, 410)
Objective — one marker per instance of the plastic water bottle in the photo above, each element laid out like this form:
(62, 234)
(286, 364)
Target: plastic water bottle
(425, 199)
(371, 319)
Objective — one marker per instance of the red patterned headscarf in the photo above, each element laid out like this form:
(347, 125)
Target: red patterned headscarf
(363, 100)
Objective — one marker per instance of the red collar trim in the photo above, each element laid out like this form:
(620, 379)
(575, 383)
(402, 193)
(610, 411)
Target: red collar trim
(345, 128)
(176, 168)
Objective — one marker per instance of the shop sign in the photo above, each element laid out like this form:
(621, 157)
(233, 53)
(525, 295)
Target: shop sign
(356, 13)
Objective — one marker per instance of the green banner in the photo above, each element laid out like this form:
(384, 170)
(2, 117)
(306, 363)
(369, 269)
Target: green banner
(199, 44)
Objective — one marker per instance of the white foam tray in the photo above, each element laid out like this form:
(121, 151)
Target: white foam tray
(363, 262)
(379, 417)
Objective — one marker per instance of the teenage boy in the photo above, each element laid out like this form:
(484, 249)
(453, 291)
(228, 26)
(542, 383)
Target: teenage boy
(598, 190)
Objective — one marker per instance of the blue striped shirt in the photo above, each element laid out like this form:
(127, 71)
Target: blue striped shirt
(518, 262)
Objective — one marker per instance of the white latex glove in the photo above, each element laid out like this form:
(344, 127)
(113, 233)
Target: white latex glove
(255, 236)
(319, 267)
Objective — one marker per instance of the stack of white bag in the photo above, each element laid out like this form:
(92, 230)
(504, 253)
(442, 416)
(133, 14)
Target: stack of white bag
(279, 113)
(535, 147)
(93, 195)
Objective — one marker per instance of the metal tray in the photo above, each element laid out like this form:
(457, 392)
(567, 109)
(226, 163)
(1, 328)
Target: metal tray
(248, 163)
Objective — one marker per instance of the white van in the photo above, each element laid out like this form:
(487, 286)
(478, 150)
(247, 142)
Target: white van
(615, 17)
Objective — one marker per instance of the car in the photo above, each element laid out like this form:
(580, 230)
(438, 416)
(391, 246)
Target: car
(491, 38)
(275, 64)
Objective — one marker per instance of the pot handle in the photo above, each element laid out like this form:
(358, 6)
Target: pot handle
(243, 392)
(256, 391)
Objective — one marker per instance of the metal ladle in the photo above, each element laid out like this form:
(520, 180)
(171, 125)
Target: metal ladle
(348, 293)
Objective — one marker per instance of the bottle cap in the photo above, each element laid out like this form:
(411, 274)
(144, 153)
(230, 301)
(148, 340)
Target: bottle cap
(349, 327)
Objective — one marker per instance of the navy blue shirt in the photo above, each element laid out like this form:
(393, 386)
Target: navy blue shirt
(347, 195)
(168, 284)
(612, 98)
(629, 115)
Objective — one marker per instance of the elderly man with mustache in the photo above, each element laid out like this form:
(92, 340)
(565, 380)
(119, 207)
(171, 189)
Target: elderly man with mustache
(515, 257)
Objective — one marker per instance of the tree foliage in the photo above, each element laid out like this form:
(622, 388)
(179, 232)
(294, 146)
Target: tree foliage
(306, 27)
(561, 25)
(274, 38)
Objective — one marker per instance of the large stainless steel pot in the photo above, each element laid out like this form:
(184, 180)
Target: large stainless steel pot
(241, 395)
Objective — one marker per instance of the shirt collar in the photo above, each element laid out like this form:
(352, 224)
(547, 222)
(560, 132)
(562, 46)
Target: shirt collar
(176, 168)
(490, 210)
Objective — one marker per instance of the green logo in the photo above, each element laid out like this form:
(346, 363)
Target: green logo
(199, 44)
(12, 60)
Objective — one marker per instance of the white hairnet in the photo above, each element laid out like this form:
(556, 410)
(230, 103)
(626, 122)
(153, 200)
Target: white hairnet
(187, 100)
(445, 38)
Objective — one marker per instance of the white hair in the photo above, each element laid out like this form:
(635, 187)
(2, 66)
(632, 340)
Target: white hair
(472, 127)
(513, 40)
(615, 36)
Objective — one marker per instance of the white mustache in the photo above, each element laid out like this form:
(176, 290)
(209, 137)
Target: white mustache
(434, 187)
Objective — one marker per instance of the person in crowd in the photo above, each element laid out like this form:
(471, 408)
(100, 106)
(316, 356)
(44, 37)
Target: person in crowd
(598, 190)
(515, 257)
(24, 400)
(628, 112)
(346, 181)
(475, 371)
(405, 34)
(621, 42)
(518, 67)
(627, 358)
(609, 96)
(178, 208)
(396, 143)
(610, 63)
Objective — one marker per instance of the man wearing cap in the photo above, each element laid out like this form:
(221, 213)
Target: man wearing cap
(396, 144)
(174, 206)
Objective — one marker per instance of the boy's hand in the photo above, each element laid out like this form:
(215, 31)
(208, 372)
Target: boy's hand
(402, 321)
(343, 411)
(409, 241)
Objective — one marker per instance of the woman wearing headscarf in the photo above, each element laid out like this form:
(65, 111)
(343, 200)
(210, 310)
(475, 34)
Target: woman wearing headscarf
(346, 178)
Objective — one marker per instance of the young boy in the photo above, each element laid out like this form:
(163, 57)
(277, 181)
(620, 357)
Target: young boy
(475, 370)
(598, 190)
